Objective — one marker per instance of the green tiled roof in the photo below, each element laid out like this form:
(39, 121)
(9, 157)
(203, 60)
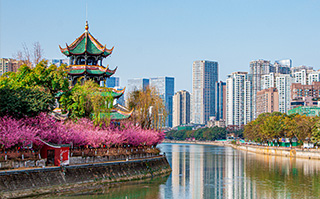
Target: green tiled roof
(86, 43)
(89, 71)
(118, 116)
(95, 72)
(115, 115)
(113, 94)
(73, 72)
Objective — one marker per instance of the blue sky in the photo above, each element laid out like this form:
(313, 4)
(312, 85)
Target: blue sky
(163, 37)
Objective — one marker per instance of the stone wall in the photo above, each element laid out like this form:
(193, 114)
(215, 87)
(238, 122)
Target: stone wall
(96, 159)
(14, 164)
(21, 183)
(296, 153)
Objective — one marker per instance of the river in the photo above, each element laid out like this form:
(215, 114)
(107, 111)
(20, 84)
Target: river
(203, 171)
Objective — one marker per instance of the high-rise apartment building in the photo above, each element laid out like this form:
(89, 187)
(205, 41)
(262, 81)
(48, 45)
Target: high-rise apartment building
(300, 77)
(302, 67)
(8, 64)
(204, 75)
(313, 77)
(267, 100)
(181, 108)
(220, 100)
(248, 108)
(165, 87)
(258, 68)
(283, 83)
(268, 81)
(238, 99)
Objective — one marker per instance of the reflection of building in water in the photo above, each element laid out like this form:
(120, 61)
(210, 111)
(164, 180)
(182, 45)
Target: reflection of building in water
(196, 171)
(213, 173)
(187, 171)
(175, 169)
(237, 185)
(221, 172)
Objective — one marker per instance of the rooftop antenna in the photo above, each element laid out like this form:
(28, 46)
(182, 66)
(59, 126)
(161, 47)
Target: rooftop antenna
(87, 26)
(86, 11)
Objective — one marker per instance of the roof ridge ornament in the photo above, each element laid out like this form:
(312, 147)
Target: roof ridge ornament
(87, 26)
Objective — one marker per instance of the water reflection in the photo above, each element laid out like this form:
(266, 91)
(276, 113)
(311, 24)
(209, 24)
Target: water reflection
(221, 172)
(201, 172)
(148, 189)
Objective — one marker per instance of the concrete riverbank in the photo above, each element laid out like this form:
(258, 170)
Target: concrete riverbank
(215, 143)
(280, 151)
(274, 151)
(34, 182)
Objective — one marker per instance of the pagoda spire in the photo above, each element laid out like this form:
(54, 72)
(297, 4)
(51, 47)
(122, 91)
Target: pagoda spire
(87, 26)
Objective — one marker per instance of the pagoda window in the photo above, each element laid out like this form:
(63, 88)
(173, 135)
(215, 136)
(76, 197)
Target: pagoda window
(81, 61)
(91, 61)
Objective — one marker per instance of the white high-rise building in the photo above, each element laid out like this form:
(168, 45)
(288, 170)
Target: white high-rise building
(268, 81)
(283, 84)
(313, 77)
(300, 77)
(248, 115)
(239, 99)
(204, 76)
(181, 108)
(302, 67)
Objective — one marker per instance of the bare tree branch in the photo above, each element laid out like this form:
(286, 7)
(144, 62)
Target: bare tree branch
(37, 53)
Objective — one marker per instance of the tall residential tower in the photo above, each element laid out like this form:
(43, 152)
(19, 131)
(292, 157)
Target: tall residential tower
(204, 77)
(238, 98)
(181, 108)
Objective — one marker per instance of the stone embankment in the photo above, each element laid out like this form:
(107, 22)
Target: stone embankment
(280, 151)
(34, 182)
(275, 151)
(215, 143)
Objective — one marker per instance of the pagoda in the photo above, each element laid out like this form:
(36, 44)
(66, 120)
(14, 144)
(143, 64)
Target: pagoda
(86, 55)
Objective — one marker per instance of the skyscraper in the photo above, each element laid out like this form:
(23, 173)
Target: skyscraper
(165, 87)
(283, 66)
(181, 108)
(257, 69)
(238, 98)
(220, 100)
(283, 83)
(204, 76)
(137, 84)
(112, 82)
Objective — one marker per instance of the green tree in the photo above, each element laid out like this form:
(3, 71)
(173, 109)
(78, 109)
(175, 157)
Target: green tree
(149, 108)
(19, 102)
(86, 100)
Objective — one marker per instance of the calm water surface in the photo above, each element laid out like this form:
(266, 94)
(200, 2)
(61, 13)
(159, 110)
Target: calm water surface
(200, 171)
